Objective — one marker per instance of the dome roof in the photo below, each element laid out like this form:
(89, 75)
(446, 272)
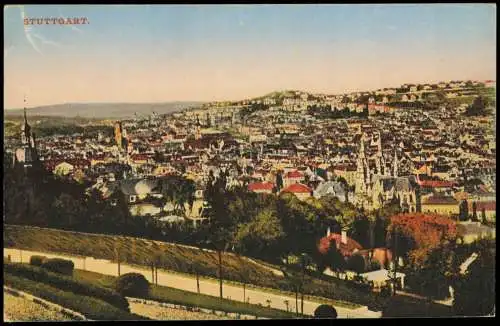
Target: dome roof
(143, 187)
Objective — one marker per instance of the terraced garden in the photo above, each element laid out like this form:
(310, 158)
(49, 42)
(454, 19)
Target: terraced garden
(176, 258)
(164, 313)
(21, 309)
(173, 257)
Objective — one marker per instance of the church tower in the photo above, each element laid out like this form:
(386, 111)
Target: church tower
(395, 164)
(379, 158)
(27, 154)
(362, 171)
(118, 134)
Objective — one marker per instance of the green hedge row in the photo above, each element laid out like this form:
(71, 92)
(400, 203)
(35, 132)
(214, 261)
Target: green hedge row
(56, 265)
(37, 260)
(66, 283)
(90, 307)
(190, 299)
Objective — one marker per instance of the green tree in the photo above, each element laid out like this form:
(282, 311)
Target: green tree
(464, 210)
(474, 211)
(380, 231)
(334, 259)
(357, 264)
(360, 228)
(178, 190)
(67, 211)
(219, 232)
(475, 291)
(279, 181)
(434, 276)
(478, 107)
(262, 234)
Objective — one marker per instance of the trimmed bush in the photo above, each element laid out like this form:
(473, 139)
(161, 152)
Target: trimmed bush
(132, 285)
(61, 266)
(325, 311)
(67, 283)
(37, 260)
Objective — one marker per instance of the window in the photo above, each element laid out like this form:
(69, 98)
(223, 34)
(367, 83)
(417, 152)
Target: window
(132, 198)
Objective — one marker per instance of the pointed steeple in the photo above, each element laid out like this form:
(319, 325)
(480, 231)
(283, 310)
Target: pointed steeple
(25, 118)
(395, 164)
(362, 147)
(25, 128)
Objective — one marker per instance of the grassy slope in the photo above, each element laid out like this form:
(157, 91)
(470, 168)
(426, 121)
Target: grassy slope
(174, 257)
(175, 296)
(180, 259)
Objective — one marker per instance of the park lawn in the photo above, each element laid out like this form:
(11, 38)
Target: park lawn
(191, 299)
(90, 307)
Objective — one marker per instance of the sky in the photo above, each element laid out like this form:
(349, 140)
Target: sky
(160, 53)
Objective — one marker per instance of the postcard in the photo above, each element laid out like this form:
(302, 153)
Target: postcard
(229, 162)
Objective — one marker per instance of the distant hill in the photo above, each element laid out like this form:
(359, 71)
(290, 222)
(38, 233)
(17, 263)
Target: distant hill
(104, 110)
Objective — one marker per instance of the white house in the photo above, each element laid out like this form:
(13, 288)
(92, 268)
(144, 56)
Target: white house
(382, 277)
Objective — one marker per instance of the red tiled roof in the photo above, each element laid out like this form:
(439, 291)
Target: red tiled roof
(487, 205)
(382, 255)
(440, 200)
(294, 174)
(260, 186)
(297, 188)
(436, 184)
(138, 157)
(346, 249)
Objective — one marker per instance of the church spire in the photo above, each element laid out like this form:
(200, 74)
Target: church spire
(25, 128)
(25, 118)
(362, 147)
(395, 164)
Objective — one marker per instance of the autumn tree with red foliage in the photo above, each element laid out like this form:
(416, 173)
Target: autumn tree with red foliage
(417, 234)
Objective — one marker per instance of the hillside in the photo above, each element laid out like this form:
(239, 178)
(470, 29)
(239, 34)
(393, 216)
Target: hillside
(104, 110)
(173, 257)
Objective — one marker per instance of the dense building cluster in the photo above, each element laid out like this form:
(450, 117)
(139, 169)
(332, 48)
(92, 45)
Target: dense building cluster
(412, 145)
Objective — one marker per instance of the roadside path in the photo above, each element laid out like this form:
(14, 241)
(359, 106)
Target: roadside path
(446, 302)
(188, 283)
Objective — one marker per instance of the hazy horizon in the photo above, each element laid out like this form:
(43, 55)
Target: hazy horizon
(196, 53)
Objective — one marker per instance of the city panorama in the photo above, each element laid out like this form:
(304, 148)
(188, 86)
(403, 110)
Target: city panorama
(229, 162)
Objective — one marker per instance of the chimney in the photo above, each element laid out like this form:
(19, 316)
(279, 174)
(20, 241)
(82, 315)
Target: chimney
(344, 237)
(328, 232)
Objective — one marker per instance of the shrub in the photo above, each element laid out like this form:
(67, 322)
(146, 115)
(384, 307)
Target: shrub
(61, 266)
(37, 260)
(66, 283)
(133, 285)
(325, 311)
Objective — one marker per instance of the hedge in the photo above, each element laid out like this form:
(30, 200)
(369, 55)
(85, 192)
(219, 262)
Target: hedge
(37, 260)
(68, 284)
(132, 285)
(57, 265)
(90, 307)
